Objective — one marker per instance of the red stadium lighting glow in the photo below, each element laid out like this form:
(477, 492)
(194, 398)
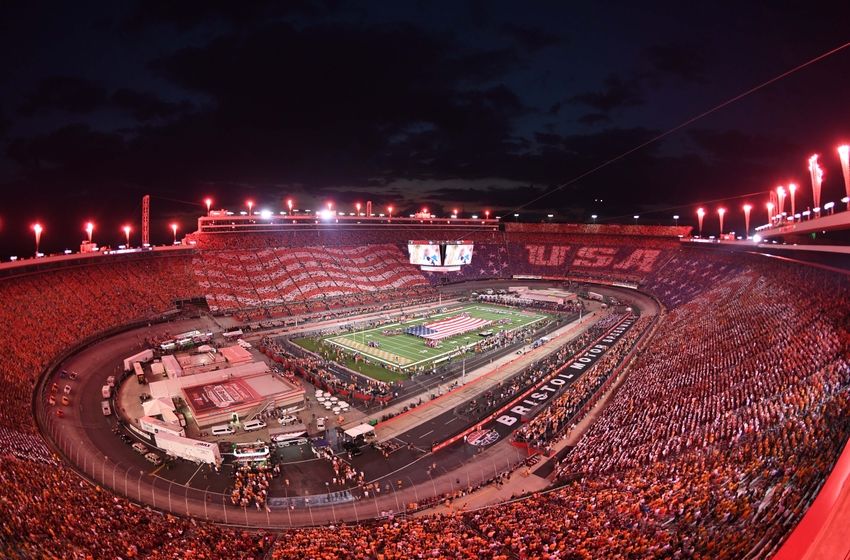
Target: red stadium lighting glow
(289, 204)
(174, 231)
(358, 208)
(769, 211)
(700, 216)
(330, 205)
(208, 202)
(487, 214)
(747, 209)
(89, 230)
(37, 229)
(250, 204)
(817, 179)
(844, 155)
(390, 211)
(780, 194)
(721, 212)
(792, 188)
(127, 234)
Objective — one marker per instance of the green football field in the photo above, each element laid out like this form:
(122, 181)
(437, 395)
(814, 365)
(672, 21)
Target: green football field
(406, 351)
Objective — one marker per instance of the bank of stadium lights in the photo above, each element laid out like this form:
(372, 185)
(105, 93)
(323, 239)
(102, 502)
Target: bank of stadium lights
(89, 230)
(747, 209)
(289, 204)
(266, 214)
(208, 202)
(770, 212)
(358, 206)
(792, 190)
(37, 229)
(174, 231)
(700, 217)
(127, 235)
(721, 212)
(676, 219)
(390, 211)
(486, 214)
(250, 204)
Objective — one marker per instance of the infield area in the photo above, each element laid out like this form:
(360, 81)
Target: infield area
(406, 351)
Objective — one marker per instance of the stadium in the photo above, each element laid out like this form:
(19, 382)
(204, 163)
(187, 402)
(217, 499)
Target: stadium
(424, 280)
(584, 427)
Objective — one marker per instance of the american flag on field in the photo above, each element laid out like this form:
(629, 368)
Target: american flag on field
(445, 328)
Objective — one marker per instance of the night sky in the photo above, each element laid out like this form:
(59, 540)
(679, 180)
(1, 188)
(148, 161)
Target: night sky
(471, 105)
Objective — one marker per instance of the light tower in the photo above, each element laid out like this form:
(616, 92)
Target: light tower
(390, 211)
(357, 206)
(250, 204)
(146, 220)
(37, 229)
(174, 231)
(844, 154)
(792, 189)
(208, 202)
(721, 212)
(89, 230)
(780, 196)
(700, 216)
(747, 209)
(769, 212)
(127, 235)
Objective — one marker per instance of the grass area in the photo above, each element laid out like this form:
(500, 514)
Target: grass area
(406, 352)
(375, 371)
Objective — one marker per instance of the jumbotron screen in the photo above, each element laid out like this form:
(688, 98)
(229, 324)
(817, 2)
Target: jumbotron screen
(458, 254)
(424, 253)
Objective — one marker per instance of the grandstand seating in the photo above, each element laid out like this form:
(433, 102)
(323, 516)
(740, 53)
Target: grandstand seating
(714, 446)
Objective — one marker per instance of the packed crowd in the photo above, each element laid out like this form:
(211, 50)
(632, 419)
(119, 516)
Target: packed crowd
(541, 432)
(251, 485)
(714, 446)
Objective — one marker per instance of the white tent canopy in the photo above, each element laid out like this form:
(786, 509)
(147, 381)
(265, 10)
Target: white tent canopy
(361, 430)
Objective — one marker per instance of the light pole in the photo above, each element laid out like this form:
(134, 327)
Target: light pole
(358, 208)
(792, 188)
(250, 204)
(780, 195)
(289, 204)
(844, 155)
(127, 235)
(721, 212)
(516, 217)
(174, 231)
(487, 214)
(636, 218)
(89, 230)
(593, 217)
(390, 211)
(700, 216)
(747, 208)
(37, 229)
(770, 213)
(208, 202)
(676, 219)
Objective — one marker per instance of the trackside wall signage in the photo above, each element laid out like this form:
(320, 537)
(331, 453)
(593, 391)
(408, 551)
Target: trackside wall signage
(506, 420)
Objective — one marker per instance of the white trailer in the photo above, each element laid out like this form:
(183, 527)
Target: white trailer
(154, 426)
(186, 448)
(143, 356)
(594, 295)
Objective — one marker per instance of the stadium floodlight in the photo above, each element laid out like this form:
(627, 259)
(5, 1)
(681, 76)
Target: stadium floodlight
(780, 194)
(208, 202)
(127, 234)
(454, 211)
(266, 214)
(250, 204)
(475, 216)
(756, 238)
(593, 217)
(289, 204)
(829, 206)
(792, 189)
(747, 209)
(487, 214)
(357, 206)
(326, 214)
(817, 178)
(700, 216)
(390, 211)
(721, 212)
(550, 216)
(770, 212)
(89, 230)
(174, 231)
(636, 217)
(844, 155)
(330, 205)
(37, 229)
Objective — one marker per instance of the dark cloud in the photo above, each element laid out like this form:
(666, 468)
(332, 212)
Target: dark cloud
(591, 119)
(530, 38)
(615, 94)
(682, 61)
(146, 106)
(65, 93)
(4, 123)
(736, 145)
(74, 149)
(187, 14)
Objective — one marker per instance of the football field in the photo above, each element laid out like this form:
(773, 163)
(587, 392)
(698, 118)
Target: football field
(406, 351)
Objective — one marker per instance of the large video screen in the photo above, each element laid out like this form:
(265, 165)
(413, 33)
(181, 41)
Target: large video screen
(424, 254)
(458, 254)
